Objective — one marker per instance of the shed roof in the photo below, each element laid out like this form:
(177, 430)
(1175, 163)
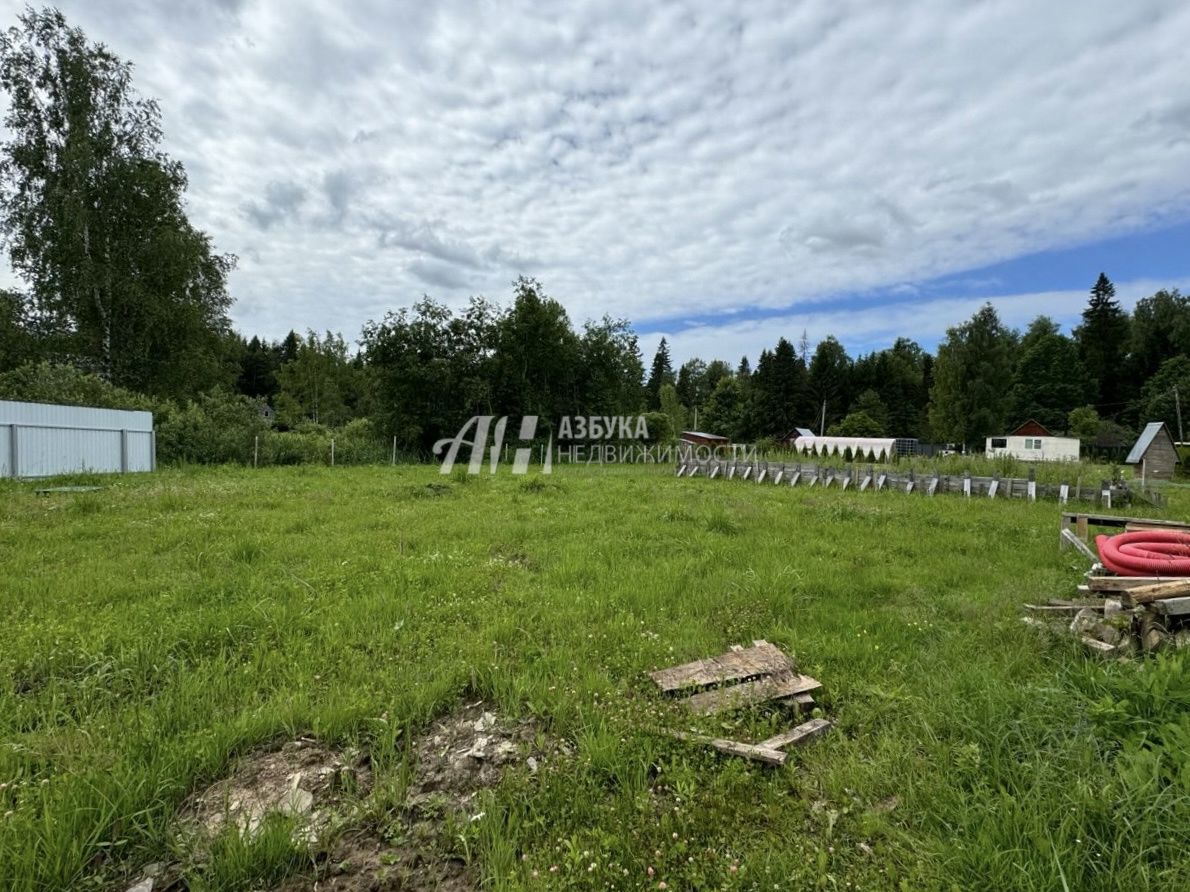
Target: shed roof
(704, 435)
(1147, 436)
(1032, 428)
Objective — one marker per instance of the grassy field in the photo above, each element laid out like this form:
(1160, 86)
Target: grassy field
(160, 627)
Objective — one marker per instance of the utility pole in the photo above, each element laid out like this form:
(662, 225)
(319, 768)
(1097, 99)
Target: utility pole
(822, 424)
(1177, 401)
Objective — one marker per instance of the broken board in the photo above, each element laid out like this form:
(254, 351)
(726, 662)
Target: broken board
(739, 678)
(735, 665)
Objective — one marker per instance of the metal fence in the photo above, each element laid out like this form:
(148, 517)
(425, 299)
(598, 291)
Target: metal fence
(41, 440)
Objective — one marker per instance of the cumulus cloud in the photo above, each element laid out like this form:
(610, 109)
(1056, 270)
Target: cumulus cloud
(654, 161)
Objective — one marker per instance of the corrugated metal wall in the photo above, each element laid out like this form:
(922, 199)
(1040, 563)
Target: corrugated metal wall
(41, 440)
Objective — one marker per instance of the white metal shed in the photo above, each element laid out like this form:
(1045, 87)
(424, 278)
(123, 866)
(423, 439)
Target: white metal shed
(42, 439)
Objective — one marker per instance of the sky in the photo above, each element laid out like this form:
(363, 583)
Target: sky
(720, 177)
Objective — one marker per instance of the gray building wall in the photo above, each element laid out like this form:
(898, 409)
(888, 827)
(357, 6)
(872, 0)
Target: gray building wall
(1161, 458)
(41, 440)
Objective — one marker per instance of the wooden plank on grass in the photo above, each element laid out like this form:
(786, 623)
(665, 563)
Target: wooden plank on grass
(1173, 606)
(1082, 547)
(734, 748)
(1145, 594)
(1061, 608)
(761, 659)
(1124, 583)
(750, 692)
(803, 733)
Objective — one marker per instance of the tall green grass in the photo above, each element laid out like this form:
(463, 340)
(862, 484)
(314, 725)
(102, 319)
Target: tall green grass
(170, 622)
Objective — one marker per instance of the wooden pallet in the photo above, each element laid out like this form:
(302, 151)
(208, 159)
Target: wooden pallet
(739, 678)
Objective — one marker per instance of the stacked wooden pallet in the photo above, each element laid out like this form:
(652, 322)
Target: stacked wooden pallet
(739, 678)
(1117, 615)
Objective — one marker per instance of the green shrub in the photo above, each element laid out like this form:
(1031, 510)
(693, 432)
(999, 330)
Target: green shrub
(215, 429)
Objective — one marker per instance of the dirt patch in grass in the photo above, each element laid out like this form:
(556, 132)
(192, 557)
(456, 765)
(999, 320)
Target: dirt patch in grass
(303, 779)
(325, 792)
(459, 756)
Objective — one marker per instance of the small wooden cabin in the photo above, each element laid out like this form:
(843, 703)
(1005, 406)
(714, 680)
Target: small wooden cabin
(1155, 452)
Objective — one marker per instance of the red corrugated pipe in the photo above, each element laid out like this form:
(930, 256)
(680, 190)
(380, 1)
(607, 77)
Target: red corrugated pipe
(1146, 553)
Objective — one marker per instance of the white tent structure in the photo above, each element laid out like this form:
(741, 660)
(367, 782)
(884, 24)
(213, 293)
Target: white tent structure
(878, 448)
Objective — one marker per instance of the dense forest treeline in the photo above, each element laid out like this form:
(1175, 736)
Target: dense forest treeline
(126, 303)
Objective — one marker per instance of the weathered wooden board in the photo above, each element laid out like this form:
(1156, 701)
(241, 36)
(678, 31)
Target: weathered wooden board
(1144, 594)
(1070, 609)
(1173, 606)
(803, 702)
(1114, 520)
(1124, 583)
(760, 659)
(748, 693)
(1068, 538)
(803, 733)
(734, 748)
